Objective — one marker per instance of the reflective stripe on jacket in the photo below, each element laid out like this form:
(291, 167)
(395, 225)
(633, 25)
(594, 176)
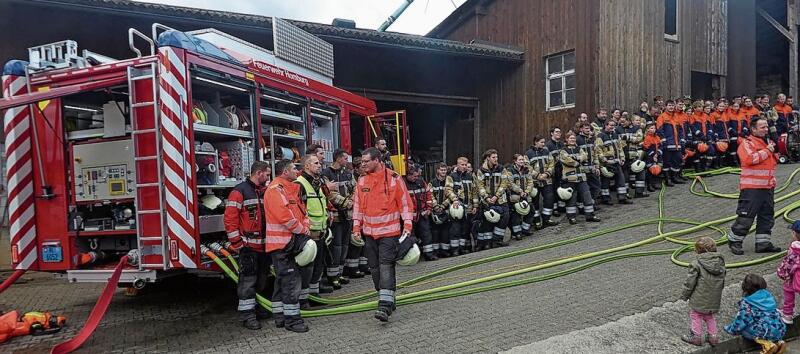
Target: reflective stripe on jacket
(286, 214)
(758, 164)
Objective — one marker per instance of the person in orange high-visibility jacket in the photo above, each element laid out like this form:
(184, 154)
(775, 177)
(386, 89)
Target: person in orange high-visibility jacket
(244, 224)
(756, 189)
(383, 210)
(784, 112)
(287, 233)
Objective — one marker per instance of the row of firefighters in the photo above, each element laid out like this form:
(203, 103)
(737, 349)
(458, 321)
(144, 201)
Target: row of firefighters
(458, 211)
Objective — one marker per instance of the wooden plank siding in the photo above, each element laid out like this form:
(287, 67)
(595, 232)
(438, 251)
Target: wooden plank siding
(513, 103)
(621, 55)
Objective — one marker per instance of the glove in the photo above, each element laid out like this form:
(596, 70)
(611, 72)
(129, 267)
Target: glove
(236, 246)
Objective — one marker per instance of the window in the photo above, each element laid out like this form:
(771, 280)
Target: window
(671, 19)
(560, 81)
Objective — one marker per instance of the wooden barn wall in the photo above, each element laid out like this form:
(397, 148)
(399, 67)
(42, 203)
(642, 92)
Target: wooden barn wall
(636, 62)
(513, 102)
(709, 36)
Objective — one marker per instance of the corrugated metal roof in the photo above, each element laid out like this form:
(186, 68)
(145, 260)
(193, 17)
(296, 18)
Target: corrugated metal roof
(322, 30)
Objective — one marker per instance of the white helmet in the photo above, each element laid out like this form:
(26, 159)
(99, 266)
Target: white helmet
(211, 201)
(457, 212)
(408, 242)
(522, 208)
(534, 192)
(307, 255)
(411, 257)
(492, 216)
(357, 243)
(637, 166)
(606, 172)
(438, 220)
(564, 193)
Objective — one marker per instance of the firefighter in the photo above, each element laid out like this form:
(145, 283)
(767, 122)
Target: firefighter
(440, 218)
(720, 124)
(756, 190)
(632, 136)
(244, 224)
(653, 162)
(420, 193)
(572, 158)
(356, 263)
(492, 182)
(542, 162)
(519, 192)
(312, 194)
(669, 129)
(612, 158)
(554, 145)
(685, 136)
(382, 212)
(737, 130)
(341, 197)
(460, 189)
(587, 142)
(288, 230)
(386, 156)
(704, 136)
(784, 115)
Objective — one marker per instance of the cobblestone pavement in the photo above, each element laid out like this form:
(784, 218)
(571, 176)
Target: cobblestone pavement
(198, 315)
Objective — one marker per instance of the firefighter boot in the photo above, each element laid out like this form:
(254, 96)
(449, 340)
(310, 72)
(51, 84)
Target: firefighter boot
(668, 179)
(766, 247)
(549, 222)
(676, 177)
(736, 247)
(251, 323)
(592, 218)
(353, 273)
(334, 282)
(295, 324)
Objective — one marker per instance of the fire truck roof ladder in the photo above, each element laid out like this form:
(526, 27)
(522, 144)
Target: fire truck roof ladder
(146, 135)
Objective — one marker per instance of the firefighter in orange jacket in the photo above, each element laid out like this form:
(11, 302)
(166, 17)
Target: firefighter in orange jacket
(244, 224)
(288, 228)
(756, 189)
(382, 211)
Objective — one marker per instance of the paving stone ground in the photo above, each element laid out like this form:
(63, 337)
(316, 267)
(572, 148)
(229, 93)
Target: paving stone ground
(198, 315)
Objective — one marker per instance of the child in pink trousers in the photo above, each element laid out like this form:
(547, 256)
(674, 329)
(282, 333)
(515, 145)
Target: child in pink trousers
(788, 272)
(703, 289)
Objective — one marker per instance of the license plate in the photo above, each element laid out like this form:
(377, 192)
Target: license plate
(52, 253)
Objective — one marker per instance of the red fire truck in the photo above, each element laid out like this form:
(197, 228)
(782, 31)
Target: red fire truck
(107, 158)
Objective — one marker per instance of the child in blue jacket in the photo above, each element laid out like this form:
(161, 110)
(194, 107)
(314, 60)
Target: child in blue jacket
(758, 318)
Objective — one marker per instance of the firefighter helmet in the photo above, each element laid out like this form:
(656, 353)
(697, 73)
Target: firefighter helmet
(457, 211)
(564, 193)
(491, 216)
(722, 146)
(655, 170)
(689, 154)
(637, 166)
(409, 251)
(606, 172)
(307, 255)
(358, 242)
(211, 201)
(522, 207)
(702, 147)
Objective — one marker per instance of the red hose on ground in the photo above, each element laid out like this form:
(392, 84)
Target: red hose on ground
(95, 316)
(12, 279)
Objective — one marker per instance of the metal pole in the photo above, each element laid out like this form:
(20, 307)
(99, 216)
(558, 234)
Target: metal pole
(393, 17)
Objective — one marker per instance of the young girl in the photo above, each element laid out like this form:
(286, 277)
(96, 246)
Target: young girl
(703, 289)
(758, 318)
(786, 271)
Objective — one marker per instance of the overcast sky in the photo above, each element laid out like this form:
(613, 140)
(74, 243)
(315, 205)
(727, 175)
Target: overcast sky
(419, 18)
